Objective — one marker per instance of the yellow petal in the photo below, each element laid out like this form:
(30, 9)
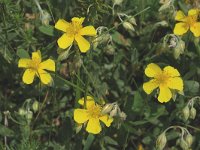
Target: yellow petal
(181, 28)
(180, 16)
(48, 64)
(28, 76)
(150, 86)
(175, 83)
(89, 101)
(44, 76)
(165, 94)
(65, 41)
(194, 12)
(36, 56)
(24, 63)
(152, 70)
(93, 126)
(89, 30)
(80, 115)
(106, 120)
(83, 44)
(62, 25)
(171, 71)
(78, 20)
(195, 29)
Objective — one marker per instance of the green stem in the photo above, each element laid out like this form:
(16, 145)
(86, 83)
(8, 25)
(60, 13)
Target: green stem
(123, 22)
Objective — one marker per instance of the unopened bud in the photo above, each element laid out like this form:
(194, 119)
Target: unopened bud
(122, 116)
(110, 49)
(45, 17)
(193, 113)
(189, 140)
(114, 112)
(132, 20)
(117, 2)
(107, 108)
(128, 26)
(184, 145)
(35, 106)
(186, 112)
(29, 115)
(179, 49)
(161, 141)
(21, 112)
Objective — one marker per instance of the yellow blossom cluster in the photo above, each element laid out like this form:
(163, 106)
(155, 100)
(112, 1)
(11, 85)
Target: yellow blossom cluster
(186, 23)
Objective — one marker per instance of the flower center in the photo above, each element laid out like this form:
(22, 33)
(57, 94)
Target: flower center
(191, 20)
(34, 64)
(94, 111)
(162, 79)
(74, 28)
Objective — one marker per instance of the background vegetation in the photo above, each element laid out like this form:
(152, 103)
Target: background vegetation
(113, 70)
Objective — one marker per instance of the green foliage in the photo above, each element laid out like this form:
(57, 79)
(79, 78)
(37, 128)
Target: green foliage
(112, 71)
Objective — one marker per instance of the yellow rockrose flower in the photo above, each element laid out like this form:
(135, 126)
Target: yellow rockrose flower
(74, 31)
(167, 79)
(34, 67)
(91, 115)
(187, 22)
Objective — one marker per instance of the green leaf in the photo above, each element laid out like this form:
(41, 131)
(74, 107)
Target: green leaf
(4, 131)
(109, 140)
(22, 53)
(48, 30)
(191, 86)
(89, 141)
(138, 102)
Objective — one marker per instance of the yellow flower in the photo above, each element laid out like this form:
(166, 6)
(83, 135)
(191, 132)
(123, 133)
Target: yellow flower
(167, 79)
(187, 22)
(92, 115)
(74, 31)
(34, 67)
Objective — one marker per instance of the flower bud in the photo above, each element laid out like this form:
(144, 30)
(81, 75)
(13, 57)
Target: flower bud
(161, 141)
(29, 115)
(128, 26)
(189, 140)
(107, 108)
(179, 49)
(193, 113)
(35, 106)
(114, 112)
(117, 2)
(184, 145)
(45, 17)
(186, 112)
(21, 112)
(110, 50)
(123, 116)
(132, 20)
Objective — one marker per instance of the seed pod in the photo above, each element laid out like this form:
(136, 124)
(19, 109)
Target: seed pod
(161, 141)
(193, 113)
(186, 112)
(189, 140)
(128, 26)
(35, 106)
